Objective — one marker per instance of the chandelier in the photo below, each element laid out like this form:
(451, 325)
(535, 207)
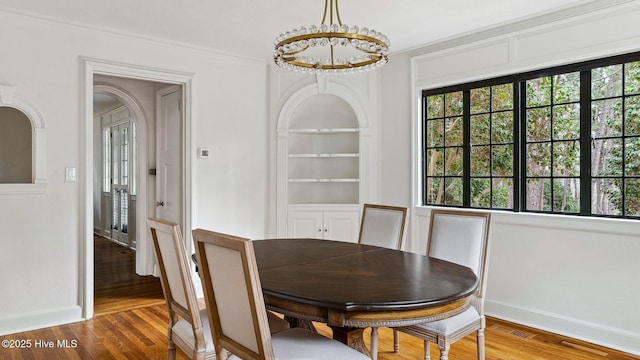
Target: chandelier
(331, 47)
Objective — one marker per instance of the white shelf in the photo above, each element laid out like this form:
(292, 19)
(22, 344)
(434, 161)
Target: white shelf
(321, 180)
(324, 131)
(341, 155)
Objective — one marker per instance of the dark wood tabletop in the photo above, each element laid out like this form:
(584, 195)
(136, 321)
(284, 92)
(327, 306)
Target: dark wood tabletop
(352, 285)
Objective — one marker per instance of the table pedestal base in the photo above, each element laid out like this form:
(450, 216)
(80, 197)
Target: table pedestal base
(352, 337)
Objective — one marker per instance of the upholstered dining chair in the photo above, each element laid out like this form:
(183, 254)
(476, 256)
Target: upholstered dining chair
(188, 325)
(461, 237)
(383, 226)
(235, 305)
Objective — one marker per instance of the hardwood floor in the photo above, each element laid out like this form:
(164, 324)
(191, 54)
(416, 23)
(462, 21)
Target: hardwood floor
(117, 286)
(140, 331)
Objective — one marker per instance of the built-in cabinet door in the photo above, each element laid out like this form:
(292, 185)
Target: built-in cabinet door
(305, 224)
(328, 225)
(341, 225)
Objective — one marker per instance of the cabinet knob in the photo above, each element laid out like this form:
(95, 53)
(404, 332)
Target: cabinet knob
(325, 230)
(319, 230)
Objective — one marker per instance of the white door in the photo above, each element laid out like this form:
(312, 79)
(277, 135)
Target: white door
(169, 154)
(120, 182)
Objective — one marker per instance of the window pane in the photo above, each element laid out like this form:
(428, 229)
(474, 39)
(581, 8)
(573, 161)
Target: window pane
(538, 194)
(632, 156)
(606, 82)
(502, 97)
(539, 92)
(632, 78)
(606, 119)
(481, 193)
(502, 127)
(453, 104)
(453, 132)
(632, 115)
(502, 160)
(435, 106)
(480, 164)
(538, 159)
(539, 124)
(566, 122)
(453, 162)
(566, 195)
(435, 163)
(566, 158)
(566, 88)
(605, 194)
(480, 100)
(606, 156)
(435, 133)
(480, 129)
(434, 191)
(632, 197)
(503, 193)
(453, 191)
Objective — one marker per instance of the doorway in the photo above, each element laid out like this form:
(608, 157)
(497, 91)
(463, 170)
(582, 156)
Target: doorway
(146, 197)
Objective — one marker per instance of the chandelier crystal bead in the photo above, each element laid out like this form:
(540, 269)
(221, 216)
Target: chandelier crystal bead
(331, 48)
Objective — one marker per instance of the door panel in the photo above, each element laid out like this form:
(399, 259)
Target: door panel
(169, 153)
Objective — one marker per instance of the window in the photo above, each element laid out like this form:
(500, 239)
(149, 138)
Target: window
(563, 140)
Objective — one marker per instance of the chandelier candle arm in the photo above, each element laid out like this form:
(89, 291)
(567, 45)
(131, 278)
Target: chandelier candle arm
(366, 49)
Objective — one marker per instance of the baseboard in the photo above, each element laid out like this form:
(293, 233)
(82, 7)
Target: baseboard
(621, 340)
(41, 319)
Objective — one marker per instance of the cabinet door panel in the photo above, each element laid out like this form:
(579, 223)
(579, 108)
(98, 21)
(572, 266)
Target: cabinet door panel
(305, 224)
(342, 225)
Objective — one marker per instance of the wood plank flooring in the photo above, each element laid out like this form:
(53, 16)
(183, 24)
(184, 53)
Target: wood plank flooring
(117, 286)
(134, 329)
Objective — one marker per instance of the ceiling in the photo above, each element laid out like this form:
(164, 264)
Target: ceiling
(248, 27)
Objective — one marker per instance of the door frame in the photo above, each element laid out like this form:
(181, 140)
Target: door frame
(91, 67)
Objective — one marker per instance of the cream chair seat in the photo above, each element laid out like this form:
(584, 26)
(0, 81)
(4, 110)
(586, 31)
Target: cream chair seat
(461, 237)
(189, 327)
(235, 305)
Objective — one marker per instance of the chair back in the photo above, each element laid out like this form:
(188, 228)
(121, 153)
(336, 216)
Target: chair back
(175, 276)
(233, 294)
(382, 226)
(461, 237)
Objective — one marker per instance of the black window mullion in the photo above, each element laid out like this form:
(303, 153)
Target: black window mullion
(517, 152)
(585, 142)
(425, 190)
(466, 157)
(522, 87)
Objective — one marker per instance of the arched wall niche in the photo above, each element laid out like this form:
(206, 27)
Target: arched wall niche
(38, 180)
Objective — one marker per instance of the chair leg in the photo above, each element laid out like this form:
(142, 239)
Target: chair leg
(480, 340)
(396, 341)
(427, 350)
(171, 346)
(444, 350)
(374, 343)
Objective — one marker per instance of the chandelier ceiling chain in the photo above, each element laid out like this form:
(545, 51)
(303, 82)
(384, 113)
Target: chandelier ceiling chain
(333, 48)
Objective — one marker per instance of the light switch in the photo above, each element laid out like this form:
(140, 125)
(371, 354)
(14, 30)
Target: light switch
(203, 153)
(70, 174)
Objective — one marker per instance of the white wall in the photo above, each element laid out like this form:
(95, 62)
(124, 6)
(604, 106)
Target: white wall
(40, 270)
(570, 275)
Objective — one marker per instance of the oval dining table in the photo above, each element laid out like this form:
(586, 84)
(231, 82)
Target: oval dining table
(351, 286)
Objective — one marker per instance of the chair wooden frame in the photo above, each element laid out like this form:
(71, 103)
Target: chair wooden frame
(183, 305)
(444, 341)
